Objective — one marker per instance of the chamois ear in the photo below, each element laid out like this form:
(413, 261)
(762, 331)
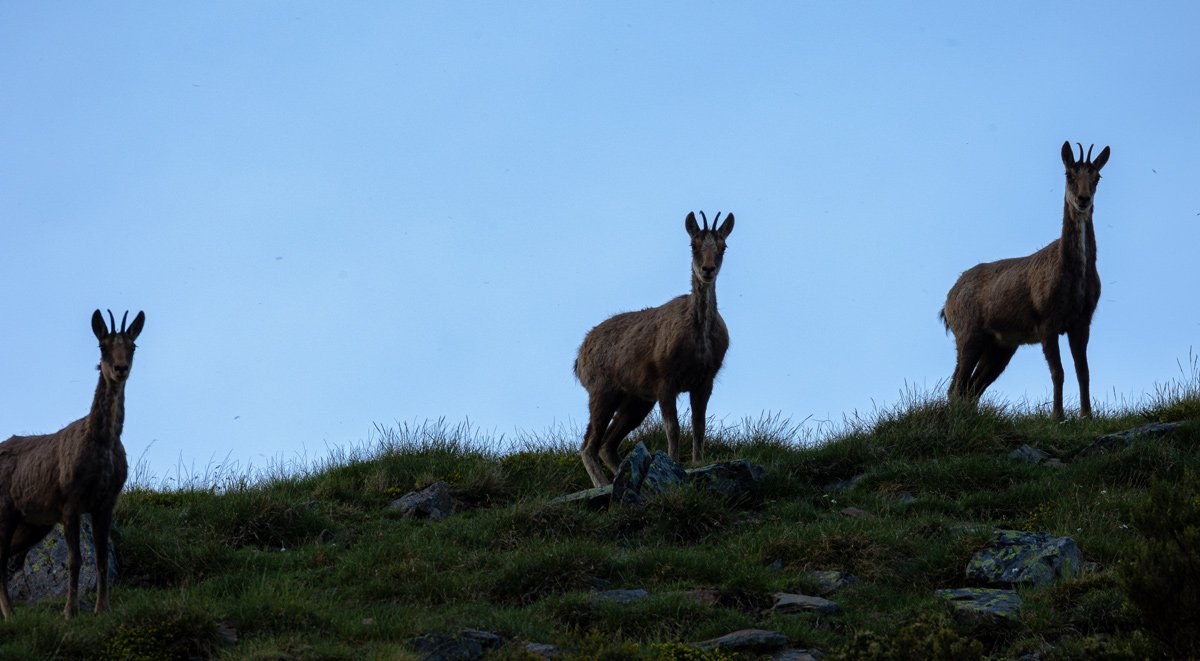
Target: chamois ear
(692, 228)
(136, 327)
(726, 227)
(1100, 160)
(1068, 155)
(98, 326)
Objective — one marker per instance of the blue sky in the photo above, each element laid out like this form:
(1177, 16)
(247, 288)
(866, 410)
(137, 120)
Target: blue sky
(336, 215)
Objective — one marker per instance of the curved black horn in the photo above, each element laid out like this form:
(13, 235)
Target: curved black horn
(715, 219)
(112, 322)
(1089, 158)
(1080, 152)
(123, 321)
(705, 220)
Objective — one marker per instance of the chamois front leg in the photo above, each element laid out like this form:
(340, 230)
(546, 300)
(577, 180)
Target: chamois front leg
(1077, 338)
(1050, 349)
(699, 397)
(74, 563)
(670, 416)
(8, 525)
(101, 526)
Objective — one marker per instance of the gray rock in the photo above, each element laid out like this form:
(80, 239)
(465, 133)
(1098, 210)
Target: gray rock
(623, 596)
(1029, 455)
(832, 581)
(797, 654)
(543, 650)
(844, 485)
(326, 537)
(854, 512)
(630, 475)
(758, 641)
(227, 632)
(732, 479)
(904, 497)
(596, 496)
(799, 603)
(435, 502)
(1121, 439)
(642, 475)
(1024, 557)
(440, 647)
(997, 605)
(662, 475)
(486, 639)
(706, 596)
(45, 575)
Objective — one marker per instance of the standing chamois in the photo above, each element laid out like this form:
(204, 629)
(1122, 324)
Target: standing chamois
(78, 470)
(998, 306)
(634, 359)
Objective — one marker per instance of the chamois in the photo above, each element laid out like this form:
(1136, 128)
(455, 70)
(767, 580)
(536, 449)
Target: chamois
(57, 478)
(633, 359)
(995, 307)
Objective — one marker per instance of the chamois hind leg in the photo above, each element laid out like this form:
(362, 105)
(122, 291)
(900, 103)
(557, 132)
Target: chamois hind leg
(991, 364)
(630, 414)
(969, 348)
(1054, 359)
(1077, 338)
(699, 398)
(101, 526)
(74, 563)
(25, 537)
(601, 406)
(670, 416)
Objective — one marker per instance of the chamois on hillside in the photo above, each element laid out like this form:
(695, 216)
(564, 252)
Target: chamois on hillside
(634, 359)
(59, 477)
(998, 306)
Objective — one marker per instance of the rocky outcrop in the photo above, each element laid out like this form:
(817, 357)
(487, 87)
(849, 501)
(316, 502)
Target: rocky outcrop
(1122, 439)
(623, 596)
(643, 475)
(832, 581)
(844, 485)
(799, 603)
(468, 645)
(757, 641)
(986, 603)
(543, 650)
(1024, 557)
(1032, 455)
(632, 476)
(45, 574)
(435, 502)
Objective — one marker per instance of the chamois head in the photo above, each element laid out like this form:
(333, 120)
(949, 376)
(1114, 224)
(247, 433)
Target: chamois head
(708, 245)
(1082, 176)
(116, 347)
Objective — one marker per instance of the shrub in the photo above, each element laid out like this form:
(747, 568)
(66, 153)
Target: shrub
(923, 640)
(156, 640)
(1161, 576)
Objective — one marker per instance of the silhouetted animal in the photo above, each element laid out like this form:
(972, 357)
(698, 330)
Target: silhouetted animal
(998, 306)
(59, 477)
(634, 359)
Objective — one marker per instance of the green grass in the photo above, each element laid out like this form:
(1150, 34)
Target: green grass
(244, 550)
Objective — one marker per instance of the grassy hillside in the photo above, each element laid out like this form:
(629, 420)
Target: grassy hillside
(245, 554)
